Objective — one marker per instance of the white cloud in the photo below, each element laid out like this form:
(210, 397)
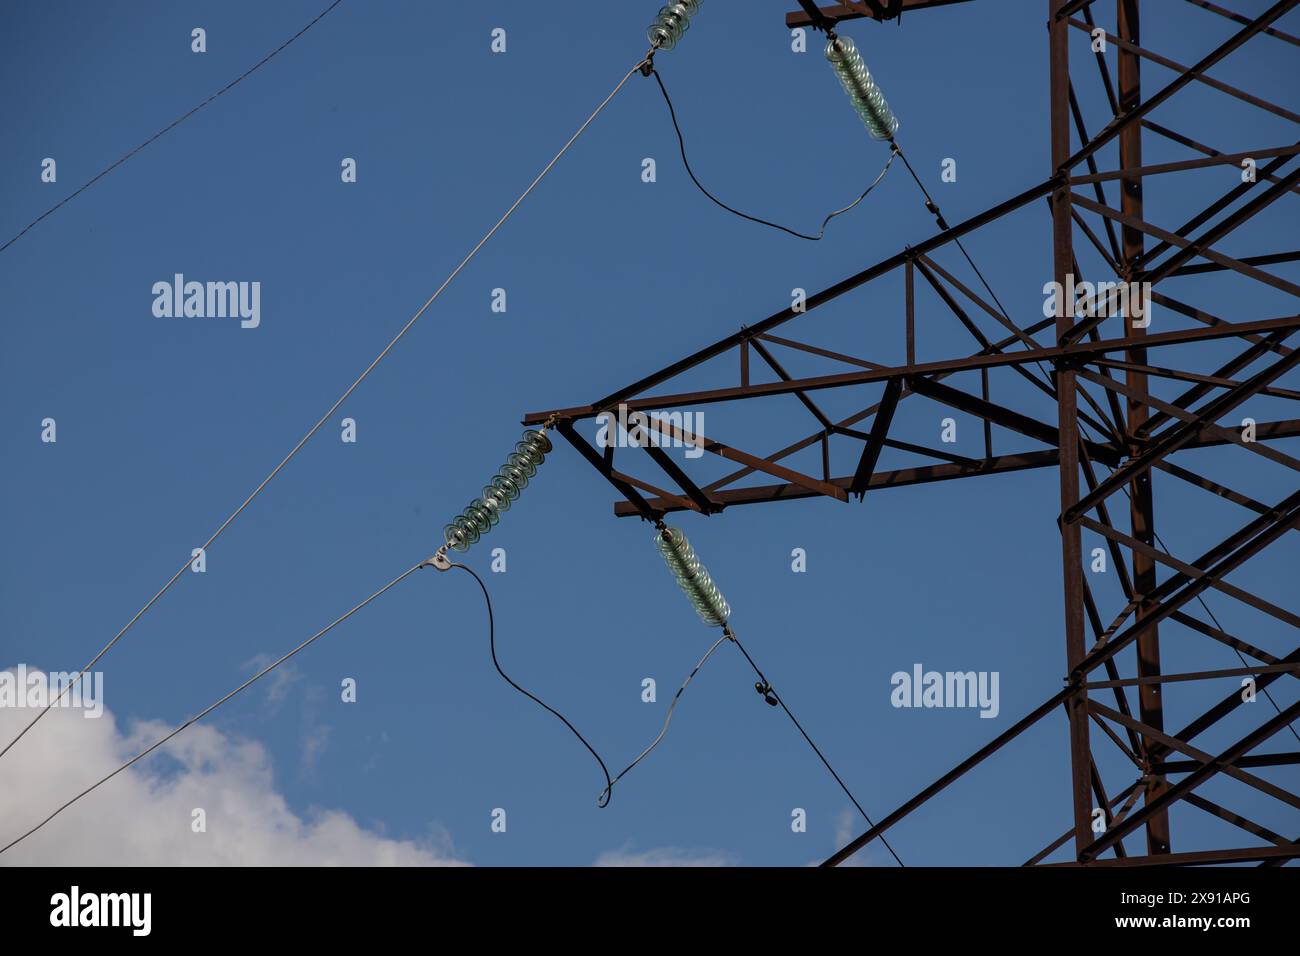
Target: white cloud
(664, 856)
(142, 817)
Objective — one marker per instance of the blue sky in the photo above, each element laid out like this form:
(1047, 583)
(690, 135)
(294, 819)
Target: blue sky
(164, 425)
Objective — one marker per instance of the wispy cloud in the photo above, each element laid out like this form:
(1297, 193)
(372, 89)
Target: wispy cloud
(664, 856)
(846, 828)
(277, 684)
(314, 742)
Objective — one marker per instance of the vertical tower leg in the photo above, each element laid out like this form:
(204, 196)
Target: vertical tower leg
(1141, 506)
(1067, 404)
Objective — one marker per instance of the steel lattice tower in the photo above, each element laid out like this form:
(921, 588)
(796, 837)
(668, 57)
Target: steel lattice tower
(1129, 401)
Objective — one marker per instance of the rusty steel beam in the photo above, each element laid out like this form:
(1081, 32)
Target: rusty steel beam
(1194, 675)
(1176, 436)
(876, 441)
(1250, 760)
(879, 10)
(1268, 259)
(1197, 857)
(830, 293)
(824, 353)
(974, 760)
(1225, 638)
(1153, 554)
(1231, 702)
(1214, 765)
(1207, 318)
(1078, 351)
(1219, 159)
(925, 474)
(1129, 795)
(1068, 420)
(1262, 174)
(1072, 7)
(783, 375)
(1238, 18)
(715, 447)
(1141, 499)
(702, 502)
(1236, 819)
(599, 463)
(922, 474)
(1133, 49)
(1168, 742)
(1215, 381)
(1189, 248)
(930, 268)
(1228, 555)
(1233, 43)
(1199, 422)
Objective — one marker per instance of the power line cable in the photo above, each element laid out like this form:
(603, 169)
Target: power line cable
(699, 588)
(942, 223)
(765, 687)
(332, 409)
(281, 660)
(933, 207)
(492, 644)
(213, 706)
(681, 143)
(667, 719)
(172, 125)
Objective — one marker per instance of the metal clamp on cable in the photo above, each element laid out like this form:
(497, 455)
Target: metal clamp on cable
(438, 560)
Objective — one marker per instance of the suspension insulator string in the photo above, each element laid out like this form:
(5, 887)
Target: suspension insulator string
(649, 70)
(439, 560)
(671, 24)
(863, 92)
(865, 95)
(479, 517)
(870, 104)
(484, 513)
(692, 577)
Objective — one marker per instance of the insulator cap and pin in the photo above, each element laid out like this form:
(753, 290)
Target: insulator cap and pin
(704, 595)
